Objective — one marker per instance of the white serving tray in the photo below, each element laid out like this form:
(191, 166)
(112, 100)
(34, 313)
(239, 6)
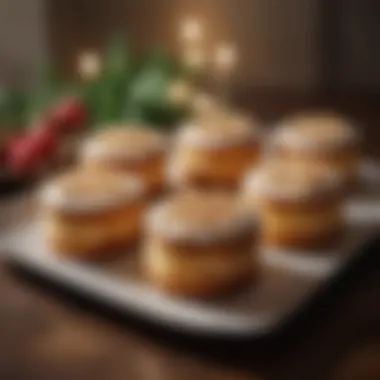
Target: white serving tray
(287, 280)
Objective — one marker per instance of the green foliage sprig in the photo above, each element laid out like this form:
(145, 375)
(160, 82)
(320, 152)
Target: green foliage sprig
(128, 89)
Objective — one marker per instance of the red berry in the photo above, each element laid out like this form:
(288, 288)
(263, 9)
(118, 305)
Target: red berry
(27, 152)
(45, 140)
(14, 141)
(67, 115)
(46, 123)
(22, 155)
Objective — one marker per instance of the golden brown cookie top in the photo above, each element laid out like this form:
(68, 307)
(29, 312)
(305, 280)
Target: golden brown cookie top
(292, 181)
(125, 143)
(90, 190)
(316, 131)
(199, 217)
(220, 129)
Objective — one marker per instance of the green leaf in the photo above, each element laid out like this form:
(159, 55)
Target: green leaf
(134, 90)
(13, 108)
(112, 87)
(160, 59)
(116, 57)
(89, 94)
(150, 87)
(48, 91)
(163, 116)
(134, 114)
(150, 96)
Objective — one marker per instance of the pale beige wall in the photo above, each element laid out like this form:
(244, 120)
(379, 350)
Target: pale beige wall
(23, 39)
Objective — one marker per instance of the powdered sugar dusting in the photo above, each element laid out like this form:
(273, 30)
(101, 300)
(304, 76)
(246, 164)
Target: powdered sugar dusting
(219, 131)
(291, 181)
(316, 132)
(86, 191)
(199, 217)
(126, 143)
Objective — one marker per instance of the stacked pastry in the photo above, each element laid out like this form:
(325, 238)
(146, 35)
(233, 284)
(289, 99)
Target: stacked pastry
(199, 244)
(214, 152)
(88, 214)
(321, 138)
(200, 241)
(300, 206)
(130, 149)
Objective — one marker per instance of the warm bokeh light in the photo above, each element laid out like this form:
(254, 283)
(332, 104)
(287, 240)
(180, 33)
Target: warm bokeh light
(89, 65)
(226, 57)
(191, 30)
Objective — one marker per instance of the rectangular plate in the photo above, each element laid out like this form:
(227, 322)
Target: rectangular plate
(287, 280)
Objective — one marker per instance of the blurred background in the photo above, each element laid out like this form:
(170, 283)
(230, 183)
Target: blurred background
(305, 45)
(122, 60)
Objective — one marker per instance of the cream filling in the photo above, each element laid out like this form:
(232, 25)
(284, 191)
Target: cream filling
(190, 163)
(89, 234)
(191, 268)
(303, 224)
(348, 169)
(157, 220)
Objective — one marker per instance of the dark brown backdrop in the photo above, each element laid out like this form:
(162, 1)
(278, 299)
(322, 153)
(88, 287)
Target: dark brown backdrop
(305, 45)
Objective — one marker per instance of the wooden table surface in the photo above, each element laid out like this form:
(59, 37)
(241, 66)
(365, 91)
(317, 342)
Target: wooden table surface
(47, 334)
